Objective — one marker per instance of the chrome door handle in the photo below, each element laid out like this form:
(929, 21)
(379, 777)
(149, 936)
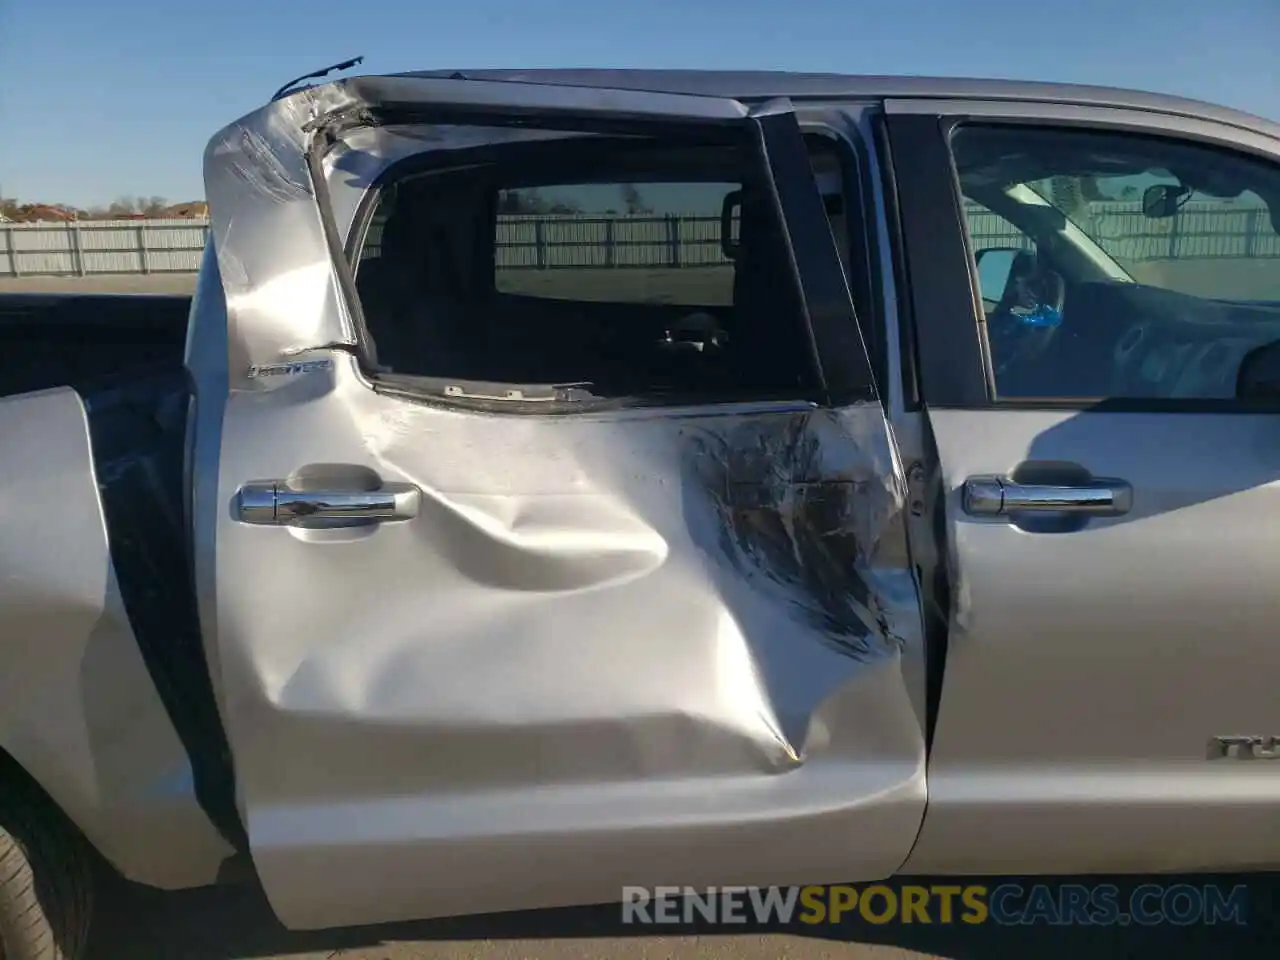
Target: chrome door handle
(1000, 496)
(274, 502)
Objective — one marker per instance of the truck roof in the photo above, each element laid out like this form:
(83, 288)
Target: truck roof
(764, 84)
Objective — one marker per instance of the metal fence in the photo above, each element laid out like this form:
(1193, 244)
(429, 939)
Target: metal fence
(87, 247)
(1200, 231)
(542, 243)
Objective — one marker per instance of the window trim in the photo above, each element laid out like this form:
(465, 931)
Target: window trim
(895, 232)
(952, 361)
(928, 124)
(858, 190)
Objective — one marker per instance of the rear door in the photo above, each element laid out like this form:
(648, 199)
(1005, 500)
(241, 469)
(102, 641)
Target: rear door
(561, 547)
(1110, 502)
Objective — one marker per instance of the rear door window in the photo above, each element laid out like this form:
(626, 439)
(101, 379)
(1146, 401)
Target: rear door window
(625, 268)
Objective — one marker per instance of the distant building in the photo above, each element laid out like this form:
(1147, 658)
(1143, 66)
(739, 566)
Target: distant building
(43, 212)
(193, 210)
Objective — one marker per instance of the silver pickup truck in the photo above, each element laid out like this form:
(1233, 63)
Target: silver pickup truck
(581, 479)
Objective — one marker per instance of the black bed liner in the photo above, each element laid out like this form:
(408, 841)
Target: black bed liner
(137, 425)
(51, 340)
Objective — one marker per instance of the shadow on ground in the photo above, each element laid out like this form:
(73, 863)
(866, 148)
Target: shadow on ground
(236, 923)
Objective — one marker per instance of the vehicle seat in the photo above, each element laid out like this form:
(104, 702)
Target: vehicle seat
(415, 300)
(1044, 283)
(1024, 351)
(385, 284)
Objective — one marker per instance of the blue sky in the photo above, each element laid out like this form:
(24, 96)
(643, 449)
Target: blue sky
(100, 99)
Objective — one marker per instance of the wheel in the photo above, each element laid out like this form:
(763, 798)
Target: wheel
(46, 879)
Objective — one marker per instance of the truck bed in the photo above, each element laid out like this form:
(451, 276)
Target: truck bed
(50, 340)
(124, 356)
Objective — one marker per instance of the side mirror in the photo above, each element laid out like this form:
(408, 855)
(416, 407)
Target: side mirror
(1259, 375)
(994, 266)
(730, 212)
(1163, 200)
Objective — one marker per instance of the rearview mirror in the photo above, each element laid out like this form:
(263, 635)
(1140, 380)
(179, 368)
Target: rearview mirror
(1258, 377)
(994, 266)
(730, 211)
(1163, 200)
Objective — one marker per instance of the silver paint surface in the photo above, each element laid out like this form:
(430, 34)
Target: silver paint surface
(78, 709)
(654, 646)
(1086, 670)
(635, 647)
(685, 645)
(767, 84)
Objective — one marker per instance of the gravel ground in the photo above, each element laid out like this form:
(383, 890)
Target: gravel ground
(236, 924)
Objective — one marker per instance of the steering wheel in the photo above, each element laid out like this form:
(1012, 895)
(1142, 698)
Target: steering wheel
(1028, 315)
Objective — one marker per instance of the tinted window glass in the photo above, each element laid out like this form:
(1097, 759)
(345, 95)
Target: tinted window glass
(1147, 268)
(615, 242)
(594, 263)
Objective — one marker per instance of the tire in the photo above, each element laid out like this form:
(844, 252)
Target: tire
(46, 879)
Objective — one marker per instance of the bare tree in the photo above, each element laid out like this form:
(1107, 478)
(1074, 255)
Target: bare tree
(521, 201)
(530, 201)
(122, 206)
(633, 200)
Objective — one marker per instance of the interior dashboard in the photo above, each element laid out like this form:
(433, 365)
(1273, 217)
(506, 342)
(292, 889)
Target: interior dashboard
(1129, 340)
(1181, 347)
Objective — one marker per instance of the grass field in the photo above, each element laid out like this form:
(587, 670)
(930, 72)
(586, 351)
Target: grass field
(182, 283)
(696, 286)
(710, 286)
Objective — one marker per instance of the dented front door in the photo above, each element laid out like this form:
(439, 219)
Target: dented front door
(543, 657)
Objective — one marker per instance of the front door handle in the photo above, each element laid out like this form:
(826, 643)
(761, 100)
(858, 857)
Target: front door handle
(1000, 496)
(275, 503)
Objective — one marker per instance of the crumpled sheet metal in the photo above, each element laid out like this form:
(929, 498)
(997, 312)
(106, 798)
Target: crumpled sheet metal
(663, 646)
(640, 646)
(78, 708)
(283, 297)
(282, 294)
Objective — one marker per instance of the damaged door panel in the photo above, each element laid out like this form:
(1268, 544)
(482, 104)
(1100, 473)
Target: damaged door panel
(615, 643)
(78, 708)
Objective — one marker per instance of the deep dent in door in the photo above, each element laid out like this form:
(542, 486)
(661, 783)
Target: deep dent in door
(635, 647)
(665, 650)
